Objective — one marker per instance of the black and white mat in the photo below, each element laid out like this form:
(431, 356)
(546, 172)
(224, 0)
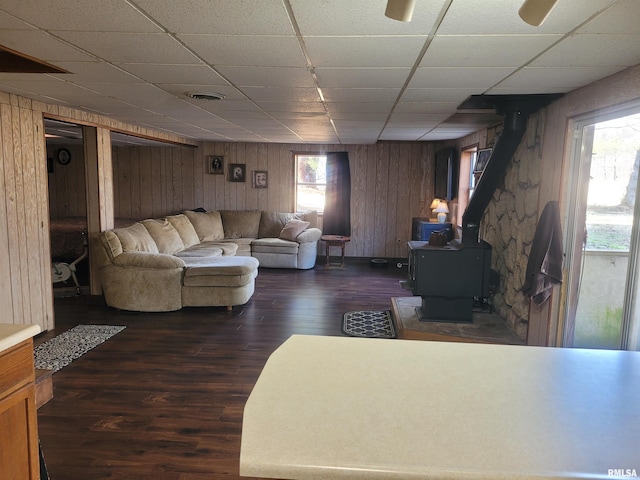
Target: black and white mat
(63, 349)
(369, 324)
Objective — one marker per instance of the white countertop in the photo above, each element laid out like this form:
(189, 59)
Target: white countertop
(11, 335)
(339, 407)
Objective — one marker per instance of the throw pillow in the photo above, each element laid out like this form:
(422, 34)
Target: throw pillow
(292, 229)
(272, 223)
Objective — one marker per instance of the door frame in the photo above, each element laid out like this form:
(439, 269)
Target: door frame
(575, 198)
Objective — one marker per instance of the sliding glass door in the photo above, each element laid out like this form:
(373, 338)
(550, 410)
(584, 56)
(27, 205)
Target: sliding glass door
(602, 236)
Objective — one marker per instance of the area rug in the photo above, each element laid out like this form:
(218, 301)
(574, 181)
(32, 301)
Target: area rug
(369, 324)
(63, 349)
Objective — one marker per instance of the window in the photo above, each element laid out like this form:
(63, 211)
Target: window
(311, 182)
(467, 182)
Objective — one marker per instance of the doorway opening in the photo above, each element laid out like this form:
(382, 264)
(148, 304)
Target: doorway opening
(602, 234)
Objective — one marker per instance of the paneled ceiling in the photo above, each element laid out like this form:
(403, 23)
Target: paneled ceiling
(309, 71)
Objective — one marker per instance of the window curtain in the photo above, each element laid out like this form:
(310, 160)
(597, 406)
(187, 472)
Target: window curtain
(337, 200)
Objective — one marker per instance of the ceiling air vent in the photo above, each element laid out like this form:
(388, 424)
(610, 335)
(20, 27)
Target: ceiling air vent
(205, 96)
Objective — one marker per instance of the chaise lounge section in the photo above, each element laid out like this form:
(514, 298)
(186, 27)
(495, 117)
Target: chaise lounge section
(201, 258)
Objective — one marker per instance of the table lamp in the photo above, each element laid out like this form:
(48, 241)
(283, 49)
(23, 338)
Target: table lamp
(441, 210)
(433, 206)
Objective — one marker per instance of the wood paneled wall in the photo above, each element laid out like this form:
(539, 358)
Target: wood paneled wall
(26, 291)
(25, 262)
(67, 190)
(391, 183)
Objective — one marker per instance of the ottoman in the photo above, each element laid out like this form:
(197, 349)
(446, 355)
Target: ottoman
(218, 281)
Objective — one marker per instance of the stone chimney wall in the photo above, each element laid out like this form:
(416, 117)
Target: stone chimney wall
(509, 224)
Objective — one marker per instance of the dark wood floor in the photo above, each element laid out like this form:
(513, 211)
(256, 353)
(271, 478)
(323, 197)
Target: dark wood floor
(163, 399)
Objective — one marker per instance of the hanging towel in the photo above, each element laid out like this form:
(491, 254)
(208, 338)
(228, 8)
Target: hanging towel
(544, 268)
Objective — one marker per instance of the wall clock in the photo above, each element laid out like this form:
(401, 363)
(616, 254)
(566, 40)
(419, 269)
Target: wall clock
(64, 156)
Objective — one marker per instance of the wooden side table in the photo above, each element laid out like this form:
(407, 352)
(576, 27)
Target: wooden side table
(335, 241)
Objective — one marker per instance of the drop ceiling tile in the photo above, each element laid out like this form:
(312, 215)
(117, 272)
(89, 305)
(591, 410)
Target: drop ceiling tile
(230, 107)
(82, 15)
(42, 46)
(257, 51)
(119, 47)
(294, 94)
(359, 107)
(181, 90)
(407, 134)
(554, 78)
(9, 22)
(592, 51)
(439, 134)
(284, 116)
(362, 77)
(94, 72)
(485, 50)
(452, 95)
(478, 78)
(291, 106)
(337, 95)
(408, 120)
(237, 17)
(621, 18)
(373, 52)
(182, 74)
(358, 116)
(427, 107)
(361, 17)
(59, 88)
(490, 16)
(267, 76)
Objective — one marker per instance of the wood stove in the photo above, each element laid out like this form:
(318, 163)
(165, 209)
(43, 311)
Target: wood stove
(449, 278)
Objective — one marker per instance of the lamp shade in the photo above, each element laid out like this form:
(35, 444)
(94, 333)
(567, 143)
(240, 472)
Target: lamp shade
(441, 210)
(442, 207)
(534, 12)
(401, 10)
(434, 204)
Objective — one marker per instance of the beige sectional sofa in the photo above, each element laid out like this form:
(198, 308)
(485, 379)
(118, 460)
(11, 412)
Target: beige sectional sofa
(199, 258)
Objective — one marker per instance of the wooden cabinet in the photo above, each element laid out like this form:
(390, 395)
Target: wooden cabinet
(422, 228)
(18, 420)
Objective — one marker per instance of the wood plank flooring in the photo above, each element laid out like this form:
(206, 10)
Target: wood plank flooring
(163, 399)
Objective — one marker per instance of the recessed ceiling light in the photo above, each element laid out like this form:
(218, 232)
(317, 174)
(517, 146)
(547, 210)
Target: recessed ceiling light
(205, 95)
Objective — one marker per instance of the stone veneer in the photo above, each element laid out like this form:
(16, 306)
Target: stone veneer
(509, 225)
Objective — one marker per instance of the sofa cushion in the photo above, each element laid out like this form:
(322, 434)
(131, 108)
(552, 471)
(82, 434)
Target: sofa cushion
(274, 245)
(221, 272)
(243, 245)
(208, 225)
(311, 217)
(112, 244)
(292, 229)
(240, 224)
(272, 223)
(185, 229)
(164, 234)
(136, 238)
(203, 249)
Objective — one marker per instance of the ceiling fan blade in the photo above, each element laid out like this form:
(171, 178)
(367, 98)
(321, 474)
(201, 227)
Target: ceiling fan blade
(534, 12)
(401, 10)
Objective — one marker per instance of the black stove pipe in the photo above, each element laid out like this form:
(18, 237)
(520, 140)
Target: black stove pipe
(515, 124)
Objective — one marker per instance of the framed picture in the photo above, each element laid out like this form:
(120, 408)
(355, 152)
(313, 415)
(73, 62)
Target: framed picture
(260, 179)
(215, 164)
(236, 172)
(481, 160)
